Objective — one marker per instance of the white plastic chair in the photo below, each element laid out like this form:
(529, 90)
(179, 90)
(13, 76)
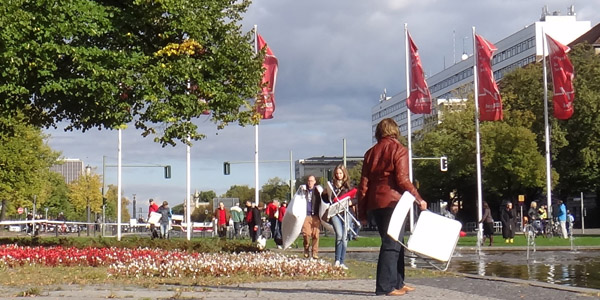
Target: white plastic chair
(434, 237)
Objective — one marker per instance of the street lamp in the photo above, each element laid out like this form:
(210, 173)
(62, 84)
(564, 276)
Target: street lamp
(88, 171)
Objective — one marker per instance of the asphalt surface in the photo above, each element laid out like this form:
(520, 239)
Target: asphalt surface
(456, 287)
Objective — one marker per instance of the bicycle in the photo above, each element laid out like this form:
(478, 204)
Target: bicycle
(552, 228)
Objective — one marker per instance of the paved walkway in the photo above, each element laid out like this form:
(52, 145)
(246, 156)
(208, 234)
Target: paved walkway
(446, 288)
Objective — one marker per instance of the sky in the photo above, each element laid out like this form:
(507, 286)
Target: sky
(335, 60)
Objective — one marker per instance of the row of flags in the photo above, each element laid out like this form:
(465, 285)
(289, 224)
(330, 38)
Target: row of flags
(490, 103)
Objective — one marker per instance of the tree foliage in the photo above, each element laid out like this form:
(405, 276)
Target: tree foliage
(275, 188)
(111, 205)
(579, 162)
(103, 64)
(25, 159)
(84, 191)
(243, 192)
(511, 164)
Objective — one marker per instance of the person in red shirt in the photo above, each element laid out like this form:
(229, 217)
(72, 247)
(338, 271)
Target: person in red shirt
(152, 208)
(278, 235)
(221, 217)
(272, 213)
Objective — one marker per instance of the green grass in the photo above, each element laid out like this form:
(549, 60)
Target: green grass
(468, 241)
(521, 240)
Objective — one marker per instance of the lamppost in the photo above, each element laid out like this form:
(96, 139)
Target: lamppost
(133, 215)
(88, 171)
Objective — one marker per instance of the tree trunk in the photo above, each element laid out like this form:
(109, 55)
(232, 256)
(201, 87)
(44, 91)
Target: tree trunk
(3, 211)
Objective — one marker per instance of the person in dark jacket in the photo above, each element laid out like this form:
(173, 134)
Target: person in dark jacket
(253, 220)
(165, 218)
(488, 223)
(312, 222)
(507, 216)
(383, 179)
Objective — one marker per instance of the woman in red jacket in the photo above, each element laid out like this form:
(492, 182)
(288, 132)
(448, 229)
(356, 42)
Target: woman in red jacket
(383, 179)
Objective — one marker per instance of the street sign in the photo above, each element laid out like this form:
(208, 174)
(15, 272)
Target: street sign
(20, 210)
(521, 198)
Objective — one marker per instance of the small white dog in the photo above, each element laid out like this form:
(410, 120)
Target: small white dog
(261, 242)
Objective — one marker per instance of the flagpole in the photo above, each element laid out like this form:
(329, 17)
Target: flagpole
(119, 167)
(547, 129)
(188, 179)
(478, 143)
(409, 127)
(256, 195)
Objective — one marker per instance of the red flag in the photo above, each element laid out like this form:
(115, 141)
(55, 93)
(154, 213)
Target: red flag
(265, 104)
(562, 79)
(490, 103)
(419, 100)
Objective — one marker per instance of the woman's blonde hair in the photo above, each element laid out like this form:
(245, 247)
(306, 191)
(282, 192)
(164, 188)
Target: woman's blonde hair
(387, 127)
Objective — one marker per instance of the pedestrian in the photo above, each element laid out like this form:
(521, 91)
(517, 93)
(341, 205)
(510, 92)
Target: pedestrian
(253, 220)
(562, 218)
(341, 185)
(272, 212)
(238, 217)
(312, 222)
(221, 217)
(165, 217)
(507, 216)
(488, 223)
(281, 213)
(534, 217)
(383, 179)
(451, 210)
(152, 208)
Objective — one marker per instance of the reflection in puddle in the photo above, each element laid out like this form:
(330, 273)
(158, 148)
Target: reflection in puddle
(581, 269)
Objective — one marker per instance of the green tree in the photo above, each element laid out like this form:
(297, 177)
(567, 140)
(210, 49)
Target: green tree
(511, 164)
(354, 174)
(24, 162)
(243, 192)
(84, 192)
(579, 162)
(111, 205)
(102, 64)
(207, 196)
(275, 188)
(58, 198)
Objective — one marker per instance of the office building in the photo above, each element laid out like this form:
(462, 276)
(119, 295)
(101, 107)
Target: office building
(69, 168)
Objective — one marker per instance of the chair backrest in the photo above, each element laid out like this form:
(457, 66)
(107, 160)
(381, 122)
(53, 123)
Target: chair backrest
(399, 215)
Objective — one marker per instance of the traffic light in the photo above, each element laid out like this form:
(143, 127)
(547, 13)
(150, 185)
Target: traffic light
(443, 164)
(167, 172)
(104, 201)
(226, 168)
(329, 175)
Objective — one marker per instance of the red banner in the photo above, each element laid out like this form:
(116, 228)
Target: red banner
(419, 99)
(490, 102)
(265, 104)
(562, 79)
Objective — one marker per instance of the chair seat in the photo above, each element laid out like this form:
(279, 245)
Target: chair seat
(434, 236)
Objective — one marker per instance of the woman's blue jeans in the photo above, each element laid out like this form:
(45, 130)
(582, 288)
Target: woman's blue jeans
(341, 241)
